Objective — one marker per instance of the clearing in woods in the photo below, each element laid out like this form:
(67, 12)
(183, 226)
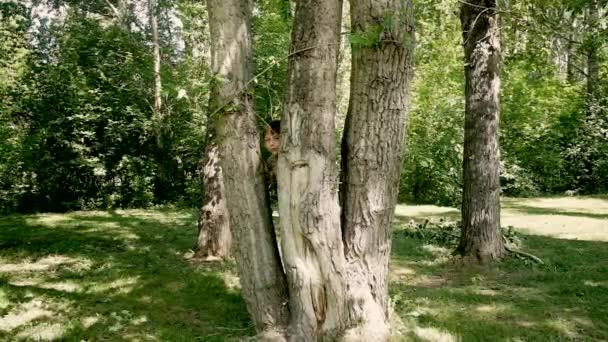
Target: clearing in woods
(125, 275)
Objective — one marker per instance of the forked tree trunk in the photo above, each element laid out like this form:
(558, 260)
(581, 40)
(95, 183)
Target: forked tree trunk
(481, 236)
(256, 251)
(312, 247)
(334, 296)
(214, 239)
(372, 152)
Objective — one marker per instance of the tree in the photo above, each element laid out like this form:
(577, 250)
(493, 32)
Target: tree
(372, 148)
(481, 235)
(256, 250)
(157, 89)
(331, 294)
(592, 51)
(313, 251)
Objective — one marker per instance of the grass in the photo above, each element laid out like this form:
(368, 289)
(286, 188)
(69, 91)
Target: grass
(112, 276)
(124, 275)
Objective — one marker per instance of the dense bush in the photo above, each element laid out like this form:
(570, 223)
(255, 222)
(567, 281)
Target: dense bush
(85, 134)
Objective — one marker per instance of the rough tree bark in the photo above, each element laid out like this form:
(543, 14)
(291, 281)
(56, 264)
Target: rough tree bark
(214, 238)
(312, 247)
(337, 276)
(372, 152)
(481, 236)
(256, 251)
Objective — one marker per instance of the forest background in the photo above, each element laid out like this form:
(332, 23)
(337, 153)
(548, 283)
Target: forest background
(81, 128)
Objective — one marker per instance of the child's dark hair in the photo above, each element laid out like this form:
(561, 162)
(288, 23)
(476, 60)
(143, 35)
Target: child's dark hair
(275, 125)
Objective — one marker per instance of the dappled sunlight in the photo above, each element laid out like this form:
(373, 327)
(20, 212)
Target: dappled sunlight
(64, 286)
(399, 272)
(486, 292)
(45, 264)
(491, 311)
(434, 335)
(43, 332)
(575, 204)
(596, 283)
(558, 226)
(118, 286)
(574, 218)
(513, 300)
(89, 321)
(422, 308)
(139, 337)
(4, 301)
(526, 324)
(429, 281)
(119, 275)
(417, 210)
(231, 280)
(23, 314)
(437, 251)
(168, 218)
(566, 327)
(48, 220)
(403, 212)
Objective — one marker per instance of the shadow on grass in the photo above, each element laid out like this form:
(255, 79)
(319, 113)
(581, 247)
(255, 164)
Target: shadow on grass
(530, 210)
(112, 276)
(441, 298)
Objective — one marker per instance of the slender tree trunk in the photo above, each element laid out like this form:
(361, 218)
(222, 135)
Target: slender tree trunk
(570, 60)
(256, 251)
(372, 152)
(152, 8)
(214, 239)
(481, 236)
(307, 176)
(592, 51)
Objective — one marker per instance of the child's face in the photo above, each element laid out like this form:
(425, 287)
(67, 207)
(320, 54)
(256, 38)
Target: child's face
(272, 141)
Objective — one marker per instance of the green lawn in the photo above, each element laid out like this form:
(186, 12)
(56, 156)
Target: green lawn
(125, 275)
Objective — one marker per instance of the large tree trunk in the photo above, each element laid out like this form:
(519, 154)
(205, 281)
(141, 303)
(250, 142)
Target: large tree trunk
(372, 152)
(214, 239)
(311, 239)
(256, 251)
(481, 236)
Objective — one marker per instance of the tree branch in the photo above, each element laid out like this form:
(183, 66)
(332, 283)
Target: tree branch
(113, 8)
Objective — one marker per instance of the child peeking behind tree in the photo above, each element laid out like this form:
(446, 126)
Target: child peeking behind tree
(272, 143)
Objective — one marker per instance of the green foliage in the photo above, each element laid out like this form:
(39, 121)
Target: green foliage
(587, 155)
(553, 136)
(271, 40)
(432, 165)
(87, 139)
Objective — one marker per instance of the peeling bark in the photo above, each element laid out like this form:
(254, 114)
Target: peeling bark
(307, 176)
(481, 236)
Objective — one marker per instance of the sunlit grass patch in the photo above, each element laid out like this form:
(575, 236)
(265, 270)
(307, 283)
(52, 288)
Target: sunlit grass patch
(124, 275)
(565, 299)
(115, 275)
